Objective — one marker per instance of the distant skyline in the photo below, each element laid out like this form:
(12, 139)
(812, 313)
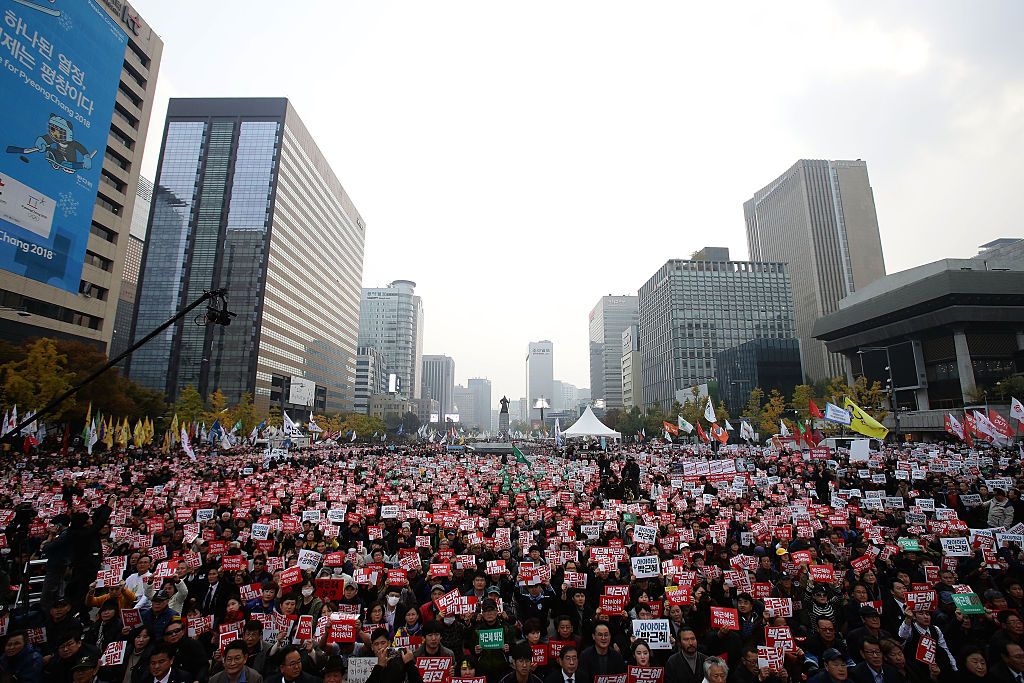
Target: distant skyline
(520, 162)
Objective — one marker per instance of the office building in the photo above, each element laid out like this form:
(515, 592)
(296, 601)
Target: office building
(819, 217)
(389, 406)
(465, 405)
(121, 336)
(764, 363)
(609, 317)
(391, 319)
(371, 377)
(245, 200)
(632, 389)
(481, 390)
(76, 294)
(439, 382)
(540, 375)
(691, 310)
(426, 409)
(949, 332)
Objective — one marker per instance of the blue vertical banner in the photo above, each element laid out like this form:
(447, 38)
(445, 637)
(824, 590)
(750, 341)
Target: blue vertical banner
(60, 64)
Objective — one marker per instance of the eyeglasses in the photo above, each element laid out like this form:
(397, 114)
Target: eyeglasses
(173, 632)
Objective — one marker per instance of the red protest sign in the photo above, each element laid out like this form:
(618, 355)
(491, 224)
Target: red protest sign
(446, 602)
(290, 577)
(725, 617)
(434, 669)
(645, 674)
(540, 654)
(341, 632)
(555, 647)
(822, 573)
(234, 563)
(683, 595)
(925, 650)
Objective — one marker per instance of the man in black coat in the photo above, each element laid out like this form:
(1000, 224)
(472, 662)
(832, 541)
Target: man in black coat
(600, 658)
(568, 661)
(686, 665)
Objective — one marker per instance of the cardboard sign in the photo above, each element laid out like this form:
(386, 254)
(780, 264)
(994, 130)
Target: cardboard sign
(779, 637)
(341, 631)
(447, 601)
(539, 653)
(290, 577)
(822, 573)
(921, 600)
(925, 650)
(130, 618)
(654, 631)
(682, 595)
(778, 607)
(113, 654)
(645, 674)
(575, 579)
(770, 658)
(434, 669)
(496, 567)
(645, 567)
(968, 603)
(956, 547)
(360, 668)
(491, 638)
(234, 563)
(645, 534)
(725, 617)
(610, 678)
(304, 629)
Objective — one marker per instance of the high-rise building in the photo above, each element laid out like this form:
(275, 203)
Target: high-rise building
(540, 375)
(439, 382)
(691, 310)
(62, 259)
(819, 217)
(481, 389)
(391, 319)
(122, 333)
(563, 395)
(762, 363)
(632, 389)
(371, 377)
(245, 200)
(465, 405)
(608, 319)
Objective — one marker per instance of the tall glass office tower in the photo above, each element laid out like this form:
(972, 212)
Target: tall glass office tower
(245, 200)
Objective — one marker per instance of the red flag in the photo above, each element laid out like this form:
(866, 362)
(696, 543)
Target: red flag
(953, 427)
(1000, 423)
(670, 428)
(701, 434)
(815, 410)
(719, 433)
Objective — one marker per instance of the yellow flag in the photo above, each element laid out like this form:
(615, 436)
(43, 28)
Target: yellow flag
(175, 430)
(863, 423)
(122, 434)
(108, 433)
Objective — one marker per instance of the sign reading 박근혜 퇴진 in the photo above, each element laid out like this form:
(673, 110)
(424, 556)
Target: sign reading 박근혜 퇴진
(61, 64)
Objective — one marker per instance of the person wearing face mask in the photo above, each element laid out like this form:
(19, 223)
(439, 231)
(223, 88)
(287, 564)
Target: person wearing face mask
(390, 603)
(453, 631)
(309, 603)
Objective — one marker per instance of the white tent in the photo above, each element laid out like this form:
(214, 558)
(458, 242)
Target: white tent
(589, 425)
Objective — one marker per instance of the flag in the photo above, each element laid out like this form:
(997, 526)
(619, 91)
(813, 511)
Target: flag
(783, 429)
(236, 427)
(746, 431)
(290, 428)
(520, 458)
(728, 427)
(862, 423)
(173, 433)
(709, 412)
(85, 428)
(810, 436)
(1001, 424)
(719, 433)
(558, 434)
(684, 425)
(815, 410)
(186, 445)
(834, 413)
(214, 433)
(313, 427)
(985, 427)
(670, 428)
(123, 434)
(108, 433)
(92, 438)
(1016, 410)
(954, 427)
(3, 427)
(255, 433)
(353, 436)
(701, 434)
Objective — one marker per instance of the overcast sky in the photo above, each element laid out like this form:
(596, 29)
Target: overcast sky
(519, 160)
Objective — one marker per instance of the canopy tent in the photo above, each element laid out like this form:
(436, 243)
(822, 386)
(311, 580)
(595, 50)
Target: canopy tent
(589, 425)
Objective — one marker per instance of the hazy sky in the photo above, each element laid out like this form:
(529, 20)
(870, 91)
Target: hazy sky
(519, 160)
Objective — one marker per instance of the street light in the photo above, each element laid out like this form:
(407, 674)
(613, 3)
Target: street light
(892, 384)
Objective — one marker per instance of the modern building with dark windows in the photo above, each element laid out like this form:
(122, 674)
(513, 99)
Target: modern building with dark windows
(439, 383)
(609, 317)
(391, 320)
(245, 200)
(944, 335)
(765, 363)
(691, 310)
(371, 377)
(818, 217)
(122, 332)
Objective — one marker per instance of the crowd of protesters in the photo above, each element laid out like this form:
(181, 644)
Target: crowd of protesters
(415, 564)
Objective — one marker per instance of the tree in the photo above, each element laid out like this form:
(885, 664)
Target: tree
(693, 409)
(613, 416)
(722, 413)
(753, 409)
(654, 420)
(189, 406)
(1011, 386)
(274, 418)
(245, 412)
(218, 403)
(629, 423)
(37, 379)
(771, 412)
(803, 394)
(365, 426)
(329, 423)
(411, 423)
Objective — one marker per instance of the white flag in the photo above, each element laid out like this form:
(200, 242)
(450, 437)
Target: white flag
(313, 427)
(93, 437)
(3, 427)
(290, 428)
(353, 436)
(1016, 410)
(186, 445)
(728, 427)
(709, 412)
(684, 425)
(783, 431)
(985, 426)
(746, 431)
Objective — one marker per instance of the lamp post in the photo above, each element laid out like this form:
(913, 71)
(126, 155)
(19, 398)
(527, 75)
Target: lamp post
(892, 384)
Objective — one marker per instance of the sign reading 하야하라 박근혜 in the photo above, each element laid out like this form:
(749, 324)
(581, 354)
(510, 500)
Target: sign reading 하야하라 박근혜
(61, 65)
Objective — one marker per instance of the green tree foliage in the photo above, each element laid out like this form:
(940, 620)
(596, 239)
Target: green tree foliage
(37, 379)
(803, 394)
(218, 404)
(1010, 387)
(411, 423)
(753, 410)
(722, 413)
(245, 412)
(189, 406)
(629, 423)
(693, 410)
(654, 420)
(771, 412)
(365, 426)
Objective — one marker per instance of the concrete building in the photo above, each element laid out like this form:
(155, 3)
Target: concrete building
(481, 390)
(692, 310)
(819, 217)
(439, 382)
(121, 336)
(765, 363)
(29, 307)
(424, 409)
(1002, 249)
(950, 331)
(630, 366)
(465, 405)
(389, 405)
(245, 200)
(609, 317)
(391, 319)
(540, 375)
(371, 377)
